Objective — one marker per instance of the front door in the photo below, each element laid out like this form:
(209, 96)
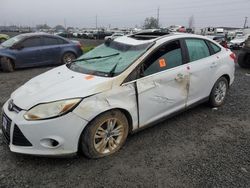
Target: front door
(163, 86)
(31, 53)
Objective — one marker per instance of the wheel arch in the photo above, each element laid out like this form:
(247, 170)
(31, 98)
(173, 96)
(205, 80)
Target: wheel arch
(227, 77)
(124, 111)
(13, 59)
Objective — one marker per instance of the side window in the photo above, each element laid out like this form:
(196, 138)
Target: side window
(166, 57)
(61, 41)
(197, 49)
(47, 41)
(31, 42)
(215, 48)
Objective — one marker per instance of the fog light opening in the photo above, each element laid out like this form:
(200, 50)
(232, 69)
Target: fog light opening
(50, 143)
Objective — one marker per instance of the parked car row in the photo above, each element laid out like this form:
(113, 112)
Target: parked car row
(85, 35)
(36, 49)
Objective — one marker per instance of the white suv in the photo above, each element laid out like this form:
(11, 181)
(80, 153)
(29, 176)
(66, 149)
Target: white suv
(121, 86)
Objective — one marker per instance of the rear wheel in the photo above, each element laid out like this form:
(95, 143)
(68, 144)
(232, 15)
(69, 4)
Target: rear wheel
(68, 57)
(218, 93)
(244, 60)
(105, 135)
(7, 64)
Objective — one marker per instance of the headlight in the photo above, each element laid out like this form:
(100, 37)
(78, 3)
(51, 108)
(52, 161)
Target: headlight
(52, 109)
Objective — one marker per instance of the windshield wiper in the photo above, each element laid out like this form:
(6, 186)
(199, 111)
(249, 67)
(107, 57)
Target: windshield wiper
(112, 71)
(96, 57)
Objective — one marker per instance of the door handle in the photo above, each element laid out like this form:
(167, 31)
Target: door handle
(179, 77)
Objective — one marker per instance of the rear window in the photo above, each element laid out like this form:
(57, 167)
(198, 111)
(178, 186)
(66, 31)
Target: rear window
(31, 42)
(197, 49)
(47, 41)
(215, 48)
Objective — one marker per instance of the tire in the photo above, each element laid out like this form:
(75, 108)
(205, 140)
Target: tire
(68, 57)
(105, 135)
(219, 92)
(7, 64)
(244, 60)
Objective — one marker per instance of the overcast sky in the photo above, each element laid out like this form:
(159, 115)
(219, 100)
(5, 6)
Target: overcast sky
(124, 13)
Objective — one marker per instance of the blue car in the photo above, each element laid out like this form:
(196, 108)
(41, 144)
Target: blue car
(37, 49)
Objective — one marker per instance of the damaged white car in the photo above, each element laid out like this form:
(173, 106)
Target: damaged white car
(119, 87)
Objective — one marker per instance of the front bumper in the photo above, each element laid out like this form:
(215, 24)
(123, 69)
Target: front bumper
(57, 136)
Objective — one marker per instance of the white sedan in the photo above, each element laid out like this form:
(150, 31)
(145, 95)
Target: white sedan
(120, 87)
(114, 36)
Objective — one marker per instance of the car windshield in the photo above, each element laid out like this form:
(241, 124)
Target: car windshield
(11, 41)
(108, 59)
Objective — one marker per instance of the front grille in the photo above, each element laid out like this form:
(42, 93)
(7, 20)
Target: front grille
(13, 107)
(6, 128)
(19, 139)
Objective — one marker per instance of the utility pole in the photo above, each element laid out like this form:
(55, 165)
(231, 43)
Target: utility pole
(64, 23)
(245, 23)
(96, 21)
(158, 15)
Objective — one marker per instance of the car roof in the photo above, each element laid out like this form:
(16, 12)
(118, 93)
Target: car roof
(26, 35)
(143, 38)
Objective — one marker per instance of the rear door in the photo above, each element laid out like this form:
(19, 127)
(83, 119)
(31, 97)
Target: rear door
(202, 66)
(162, 88)
(51, 50)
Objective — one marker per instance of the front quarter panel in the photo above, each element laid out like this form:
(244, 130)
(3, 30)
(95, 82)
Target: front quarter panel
(120, 97)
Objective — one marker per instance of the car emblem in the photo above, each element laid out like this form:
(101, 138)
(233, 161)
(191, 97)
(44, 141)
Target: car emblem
(11, 105)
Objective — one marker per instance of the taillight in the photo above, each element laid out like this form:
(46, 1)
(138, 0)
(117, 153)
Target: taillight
(233, 56)
(79, 45)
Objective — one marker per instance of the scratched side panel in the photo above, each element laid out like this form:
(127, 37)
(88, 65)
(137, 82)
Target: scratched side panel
(122, 97)
(162, 94)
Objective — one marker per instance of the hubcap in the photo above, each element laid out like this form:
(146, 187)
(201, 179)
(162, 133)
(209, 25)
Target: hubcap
(220, 92)
(68, 58)
(108, 136)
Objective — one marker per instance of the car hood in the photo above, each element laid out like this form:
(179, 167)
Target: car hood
(57, 84)
(237, 41)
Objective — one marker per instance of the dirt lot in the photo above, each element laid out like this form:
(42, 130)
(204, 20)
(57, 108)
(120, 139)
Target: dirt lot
(202, 147)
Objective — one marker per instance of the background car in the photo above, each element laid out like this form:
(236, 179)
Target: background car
(221, 39)
(244, 55)
(115, 35)
(237, 42)
(36, 49)
(3, 38)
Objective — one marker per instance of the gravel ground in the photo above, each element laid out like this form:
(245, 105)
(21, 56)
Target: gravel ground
(202, 147)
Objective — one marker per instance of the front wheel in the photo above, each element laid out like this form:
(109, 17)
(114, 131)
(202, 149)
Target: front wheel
(105, 135)
(68, 57)
(7, 64)
(218, 93)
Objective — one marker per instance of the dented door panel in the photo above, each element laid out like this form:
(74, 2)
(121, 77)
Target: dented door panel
(162, 94)
(202, 73)
(122, 97)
